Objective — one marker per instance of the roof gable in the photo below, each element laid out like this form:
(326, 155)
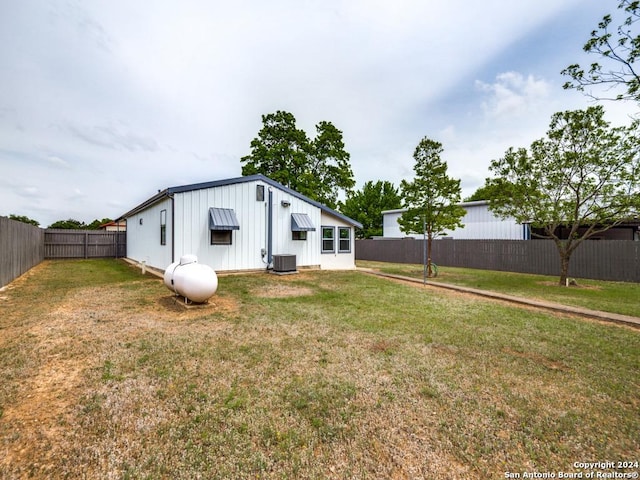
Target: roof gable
(232, 181)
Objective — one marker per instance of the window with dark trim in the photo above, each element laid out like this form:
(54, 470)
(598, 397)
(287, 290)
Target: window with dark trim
(328, 240)
(222, 223)
(163, 227)
(344, 239)
(221, 237)
(300, 225)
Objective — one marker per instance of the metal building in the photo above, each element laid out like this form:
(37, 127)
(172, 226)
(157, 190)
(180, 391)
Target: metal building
(239, 224)
(479, 224)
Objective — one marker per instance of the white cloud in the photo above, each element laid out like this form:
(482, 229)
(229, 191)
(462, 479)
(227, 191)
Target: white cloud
(128, 97)
(57, 161)
(514, 94)
(448, 135)
(76, 194)
(33, 192)
(114, 136)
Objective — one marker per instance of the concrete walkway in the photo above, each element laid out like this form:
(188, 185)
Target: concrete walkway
(554, 307)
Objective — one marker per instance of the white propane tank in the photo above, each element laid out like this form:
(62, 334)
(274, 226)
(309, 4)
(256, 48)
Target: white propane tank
(192, 280)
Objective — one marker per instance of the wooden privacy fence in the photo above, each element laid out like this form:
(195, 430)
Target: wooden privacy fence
(84, 244)
(617, 260)
(21, 248)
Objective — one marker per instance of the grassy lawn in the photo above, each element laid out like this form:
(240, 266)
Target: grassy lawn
(616, 297)
(315, 375)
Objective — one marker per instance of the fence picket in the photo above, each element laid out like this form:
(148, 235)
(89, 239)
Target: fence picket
(84, 244)
(21, 248)
(617, 260)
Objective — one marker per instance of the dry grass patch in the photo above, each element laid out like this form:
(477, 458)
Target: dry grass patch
(534, 357)
(281, 291)
(65, 338)
(357, 377)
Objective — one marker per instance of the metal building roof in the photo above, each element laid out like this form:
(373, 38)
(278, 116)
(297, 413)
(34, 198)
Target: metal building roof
(231, 181)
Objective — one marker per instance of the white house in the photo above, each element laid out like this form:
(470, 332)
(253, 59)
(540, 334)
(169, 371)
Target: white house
(479, 224)
(239, 224)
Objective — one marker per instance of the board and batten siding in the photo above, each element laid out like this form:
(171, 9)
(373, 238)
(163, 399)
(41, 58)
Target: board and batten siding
(307, 251)
(245, 252)
(143, 236)
(193, 235)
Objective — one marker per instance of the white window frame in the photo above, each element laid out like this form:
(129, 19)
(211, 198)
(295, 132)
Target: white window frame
(332, 239)
(340, 239)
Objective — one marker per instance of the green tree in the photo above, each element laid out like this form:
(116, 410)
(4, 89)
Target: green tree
(95, 225)
(68, 224)
(329, 170)
(485, 192)
(366, 206)
(72, 224)
(584, 177)
(431, 199)
(24, 219)
(317, 168)
(618, 49)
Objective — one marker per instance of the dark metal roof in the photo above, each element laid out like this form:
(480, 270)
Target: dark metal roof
(223, 219)
(232, 181)
(300, 222)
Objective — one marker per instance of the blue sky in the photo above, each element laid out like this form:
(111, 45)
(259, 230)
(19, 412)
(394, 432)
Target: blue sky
(104, 103)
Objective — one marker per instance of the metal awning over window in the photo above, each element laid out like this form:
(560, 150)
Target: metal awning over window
(300, 222)
(223, 219)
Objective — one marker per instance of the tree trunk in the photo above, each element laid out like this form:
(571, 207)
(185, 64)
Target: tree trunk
(566, 249)
(429, 269)
(564, 268)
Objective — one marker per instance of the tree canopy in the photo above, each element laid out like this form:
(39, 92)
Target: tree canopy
(24, 219)
(366, 206)
(70, 224)
(485, 192)
(318, 168)
(73, 224)
(618, 49)
(584, 177)
(95, 225)
(431, 198)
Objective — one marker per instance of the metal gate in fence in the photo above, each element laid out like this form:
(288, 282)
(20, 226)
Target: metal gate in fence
(84, 244)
